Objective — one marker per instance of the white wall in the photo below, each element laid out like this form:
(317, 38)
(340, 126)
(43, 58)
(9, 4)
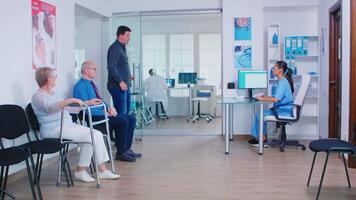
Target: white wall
(157, 5)
(102, 7)
(88, 36)
(324, 62)
(290, 3)
(345, 85)
(17, 80)
(17, 77)
(232, 9)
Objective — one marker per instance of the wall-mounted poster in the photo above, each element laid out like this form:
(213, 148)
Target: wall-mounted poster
(43, 35)
(242, 28)
(243, 57)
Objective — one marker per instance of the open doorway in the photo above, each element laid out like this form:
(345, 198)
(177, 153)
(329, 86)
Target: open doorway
(335, 71)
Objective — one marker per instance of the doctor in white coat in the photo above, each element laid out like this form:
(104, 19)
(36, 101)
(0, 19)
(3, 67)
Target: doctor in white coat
(156, 89)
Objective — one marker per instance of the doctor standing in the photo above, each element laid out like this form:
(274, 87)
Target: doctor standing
(156, 88)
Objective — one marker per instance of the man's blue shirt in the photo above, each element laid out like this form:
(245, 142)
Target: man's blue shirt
(85, 91)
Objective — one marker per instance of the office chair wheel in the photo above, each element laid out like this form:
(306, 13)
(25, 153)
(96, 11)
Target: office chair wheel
(281, 149)
(304, 148)
(208, 121)
(193, 121)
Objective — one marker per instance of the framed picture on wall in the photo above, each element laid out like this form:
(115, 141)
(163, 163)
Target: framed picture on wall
(243, 57)
(43, 35)
(242, 28)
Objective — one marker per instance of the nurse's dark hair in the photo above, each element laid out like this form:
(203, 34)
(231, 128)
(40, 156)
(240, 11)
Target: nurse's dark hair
(287, 73)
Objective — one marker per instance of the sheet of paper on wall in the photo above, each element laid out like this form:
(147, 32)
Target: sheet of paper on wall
(243, 28)
(243, 57)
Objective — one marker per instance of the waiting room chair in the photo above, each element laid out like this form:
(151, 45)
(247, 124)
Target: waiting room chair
(48, 146)
(13, 124)
(282, 121)
(12, 156)
(331, 146)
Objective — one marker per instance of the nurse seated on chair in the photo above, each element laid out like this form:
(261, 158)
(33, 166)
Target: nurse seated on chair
(283, 99)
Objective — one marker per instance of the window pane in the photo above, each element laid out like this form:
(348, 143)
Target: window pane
(210, 59)
(154, 54)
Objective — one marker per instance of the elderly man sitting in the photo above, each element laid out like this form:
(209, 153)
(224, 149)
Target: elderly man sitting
(123, 125)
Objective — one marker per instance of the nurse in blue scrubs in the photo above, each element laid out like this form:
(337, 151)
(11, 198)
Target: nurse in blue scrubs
(282, 99)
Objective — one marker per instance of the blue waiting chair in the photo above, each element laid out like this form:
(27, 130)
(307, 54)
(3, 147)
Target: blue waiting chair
(331, 146)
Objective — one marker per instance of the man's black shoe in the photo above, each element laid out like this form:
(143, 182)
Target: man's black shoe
(133, 154)
(125, 157)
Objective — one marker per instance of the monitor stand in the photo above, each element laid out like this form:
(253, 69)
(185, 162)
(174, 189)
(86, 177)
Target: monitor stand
(249, 94)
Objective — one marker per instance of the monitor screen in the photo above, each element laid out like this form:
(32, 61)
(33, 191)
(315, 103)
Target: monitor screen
(252, 79)
(170, 82)
(187, 78)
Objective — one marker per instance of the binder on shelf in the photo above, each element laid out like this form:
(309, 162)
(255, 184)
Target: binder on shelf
(294, 46)
(299, 45)
(305, 45)
(287, 44)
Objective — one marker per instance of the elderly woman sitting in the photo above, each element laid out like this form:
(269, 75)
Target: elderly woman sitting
(47, 107)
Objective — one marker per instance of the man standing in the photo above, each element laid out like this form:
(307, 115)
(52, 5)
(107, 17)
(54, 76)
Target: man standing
(123, 125)
(119, 76)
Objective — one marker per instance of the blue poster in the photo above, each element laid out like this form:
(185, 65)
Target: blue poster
(242, 28)
(243, 57)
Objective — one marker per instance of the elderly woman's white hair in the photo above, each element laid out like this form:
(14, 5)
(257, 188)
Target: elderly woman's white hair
(42, 74)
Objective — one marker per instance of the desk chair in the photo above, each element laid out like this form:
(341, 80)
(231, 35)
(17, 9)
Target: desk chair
(282, 121)
(199, 95)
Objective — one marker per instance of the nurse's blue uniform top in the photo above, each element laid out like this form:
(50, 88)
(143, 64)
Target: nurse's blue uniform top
(285, 97)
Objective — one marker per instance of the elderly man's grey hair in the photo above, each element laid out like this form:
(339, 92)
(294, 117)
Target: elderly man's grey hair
(87, 64)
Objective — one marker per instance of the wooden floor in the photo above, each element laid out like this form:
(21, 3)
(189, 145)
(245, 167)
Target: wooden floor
(179, 126)
(194, 167)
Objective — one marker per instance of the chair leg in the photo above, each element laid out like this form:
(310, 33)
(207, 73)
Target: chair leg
(66, 162)
(65, 169)
(59, 169)
(283, 139)
(5, 181)
(39, 192)
(37, 164)
(1, 179)
(347, 172)
(311, 169)
(39, 167)
(322, 175)
(29, 175)
(7, 193)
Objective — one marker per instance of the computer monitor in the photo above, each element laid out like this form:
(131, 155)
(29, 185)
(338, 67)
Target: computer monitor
(170, 82)
(252, 79)
(187, 78)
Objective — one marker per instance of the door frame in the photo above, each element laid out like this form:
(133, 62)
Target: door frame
(333, 55)
(352, 106)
